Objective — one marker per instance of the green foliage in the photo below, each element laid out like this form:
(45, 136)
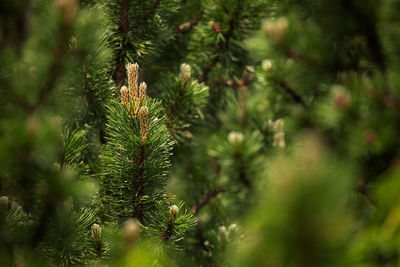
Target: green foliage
(134, 172)
(184, 101)
(281, 136)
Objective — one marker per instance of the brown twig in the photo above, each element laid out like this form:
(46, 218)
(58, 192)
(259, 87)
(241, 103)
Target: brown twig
(296, 97)
(206, 198)
(292, 53)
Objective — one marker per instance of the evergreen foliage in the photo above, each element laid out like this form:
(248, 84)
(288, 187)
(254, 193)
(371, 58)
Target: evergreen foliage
(266, 133)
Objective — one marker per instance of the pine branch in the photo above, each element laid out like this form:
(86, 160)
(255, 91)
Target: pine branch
(54, 70)
(168, 232)
(119, 71)
(124, 29)
(233, 23)
(206, 198)
(138, 184)
(150, 13)
(207, 68)
(241, 170)
(296, 97)
(370, 31)
(153, 7)
(189, 24)
(292, 53)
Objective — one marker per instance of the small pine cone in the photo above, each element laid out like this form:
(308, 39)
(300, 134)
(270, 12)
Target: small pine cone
(143, 113)
(133, 73)
(142, 92)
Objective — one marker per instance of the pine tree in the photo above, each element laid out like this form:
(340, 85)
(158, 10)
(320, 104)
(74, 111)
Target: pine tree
(254, 133)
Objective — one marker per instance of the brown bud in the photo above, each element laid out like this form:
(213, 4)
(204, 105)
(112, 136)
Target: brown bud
(341, 97)
(124, 96)
(279, 140)
(133, 74)
(216, 27)
(142, 92)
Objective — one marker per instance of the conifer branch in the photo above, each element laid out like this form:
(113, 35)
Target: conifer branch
(148, 15)
(296, 97)
(292, 53)
(138, 184)
(241, 170)
(123, 28)
(208, 66)
(168, 232)
(153, 8)
(206, 198)
(233, 23)
(189, 24)
(55, 67)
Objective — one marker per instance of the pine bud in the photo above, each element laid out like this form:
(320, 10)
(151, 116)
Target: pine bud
(142, 92)
(266, 65)
(174, 210)
(96, 231)
(232, 227)
(133, 73)
(276, 29)
(341, 97)
(250, 68)
(131, 229)
(125, 96)
(185, 74)
(235, 138)
(279, 140)
(278, 125)
(143, 113)
(222, 234)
